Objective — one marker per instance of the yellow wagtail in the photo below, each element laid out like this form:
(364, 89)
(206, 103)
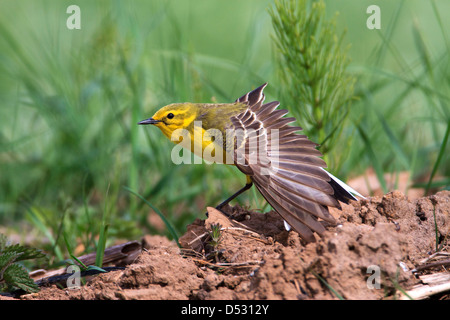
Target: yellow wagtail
(285, 166)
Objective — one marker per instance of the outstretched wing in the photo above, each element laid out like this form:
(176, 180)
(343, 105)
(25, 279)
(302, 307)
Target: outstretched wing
(285, 166)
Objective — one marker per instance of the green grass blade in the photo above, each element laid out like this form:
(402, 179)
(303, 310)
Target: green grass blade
(328, 286)
(69, 249)
(439, 158)
(441, 26)
(37, 218)
(444, 183)
(68, 246)
(95, 268)
(82, 265)
(395, 144)
(89, 233)
(422, 49)
(101, 245)
(161, 215)
(373, 158)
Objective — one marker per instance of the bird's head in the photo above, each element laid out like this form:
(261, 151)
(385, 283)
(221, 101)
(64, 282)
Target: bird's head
(173, 116)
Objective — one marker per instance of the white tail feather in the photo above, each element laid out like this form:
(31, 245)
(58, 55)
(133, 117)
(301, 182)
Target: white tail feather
(345, 186)
(286, 226)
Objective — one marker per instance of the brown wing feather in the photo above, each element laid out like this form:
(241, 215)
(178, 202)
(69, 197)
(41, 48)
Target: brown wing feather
(289, 177)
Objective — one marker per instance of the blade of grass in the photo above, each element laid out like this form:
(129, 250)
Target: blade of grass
(37, 218)
(160, 214)
(387, 40)
(436, 230)
(422, 49)
(373, 158)
(60, 227)
(439, 158)
(328, 286)
(101, 244)
(90, 234)
(395, 144)
(68, 246)
(434, 184)
(398, 287)
(439, 20)
(136, 87)
(83, 266)
(69, 249)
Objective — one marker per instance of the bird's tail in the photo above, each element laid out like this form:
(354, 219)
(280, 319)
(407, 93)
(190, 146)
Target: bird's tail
(342, 191)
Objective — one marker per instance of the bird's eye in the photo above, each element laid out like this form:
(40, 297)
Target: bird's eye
(170, 116)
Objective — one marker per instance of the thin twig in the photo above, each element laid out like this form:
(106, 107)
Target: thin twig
(198, 238)
(230, 264)
(436, 254)
(256, 234)
(441, 263)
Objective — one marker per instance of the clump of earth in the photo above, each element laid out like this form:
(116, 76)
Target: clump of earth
(372, 253)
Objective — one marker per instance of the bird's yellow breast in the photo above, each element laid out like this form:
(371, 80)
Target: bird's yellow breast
(208, 144)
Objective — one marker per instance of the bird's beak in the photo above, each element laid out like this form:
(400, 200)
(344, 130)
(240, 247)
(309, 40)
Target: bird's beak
(149, 121)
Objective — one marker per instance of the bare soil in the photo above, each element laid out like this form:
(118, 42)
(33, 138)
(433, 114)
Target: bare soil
(379, 238)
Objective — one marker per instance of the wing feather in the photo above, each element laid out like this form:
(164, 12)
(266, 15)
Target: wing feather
(288, 171)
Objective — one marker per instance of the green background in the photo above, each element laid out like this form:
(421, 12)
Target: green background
(70, 100)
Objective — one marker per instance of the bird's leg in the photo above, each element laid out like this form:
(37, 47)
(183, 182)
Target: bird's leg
(244, 188)
(247, 186)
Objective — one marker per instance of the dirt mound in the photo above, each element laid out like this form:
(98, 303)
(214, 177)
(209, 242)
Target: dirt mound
(370, 254)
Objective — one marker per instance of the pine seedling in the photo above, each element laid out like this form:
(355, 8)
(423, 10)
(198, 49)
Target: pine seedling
(12, 274)
(312, 67)
(216, 239)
